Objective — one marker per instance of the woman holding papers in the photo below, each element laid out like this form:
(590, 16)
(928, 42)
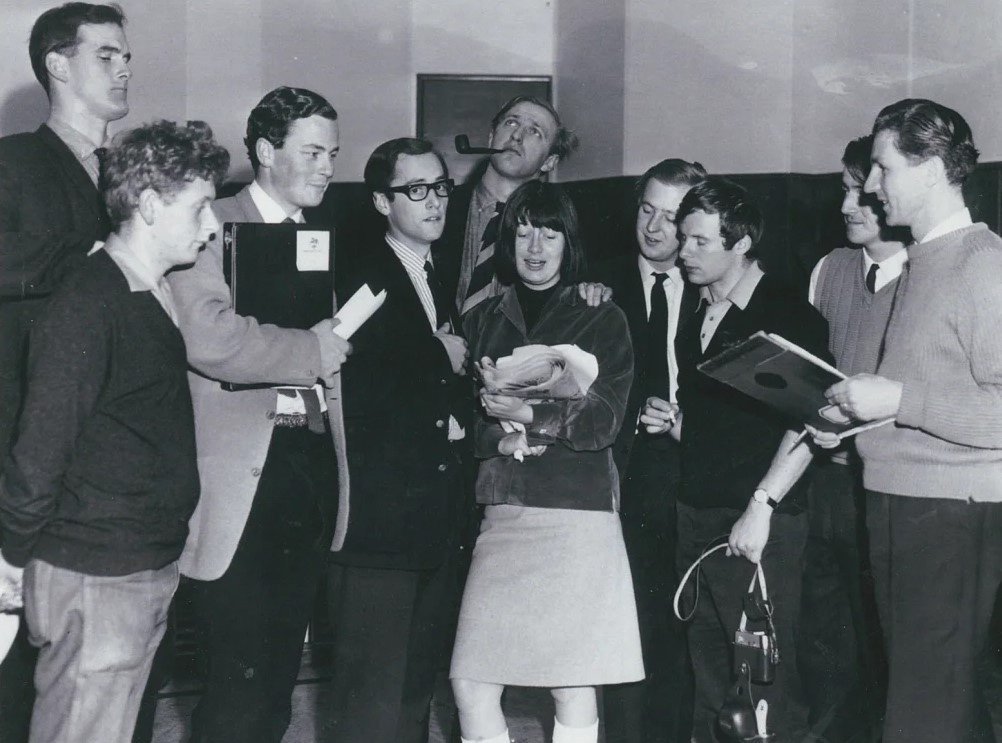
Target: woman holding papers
(549, 600)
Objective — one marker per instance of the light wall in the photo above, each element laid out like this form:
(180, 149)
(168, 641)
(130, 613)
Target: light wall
(755, 86)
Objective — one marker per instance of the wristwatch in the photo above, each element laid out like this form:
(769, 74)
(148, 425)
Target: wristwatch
(761, 495)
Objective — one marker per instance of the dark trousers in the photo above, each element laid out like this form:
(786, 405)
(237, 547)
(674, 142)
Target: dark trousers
(937, 564)
(659, 708)
(392, 629)
(254, 617)
(723, 585)
(841, 649)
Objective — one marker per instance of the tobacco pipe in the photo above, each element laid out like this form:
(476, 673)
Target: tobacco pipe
(463, 147)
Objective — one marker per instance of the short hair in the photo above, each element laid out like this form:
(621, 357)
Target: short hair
(739, 216)
(541, 205)
(56, 30)
(382, 163)
(271, 118)
(565, 141)
(856, 158)
(671, 172)
(162, 155)
(925, 129)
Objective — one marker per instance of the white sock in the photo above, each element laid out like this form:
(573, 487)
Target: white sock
(501, 738)
(564, 734)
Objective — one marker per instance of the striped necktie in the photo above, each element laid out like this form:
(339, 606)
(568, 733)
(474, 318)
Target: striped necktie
(483, 273)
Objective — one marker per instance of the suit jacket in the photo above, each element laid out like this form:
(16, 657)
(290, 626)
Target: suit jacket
(233, 429)
(729, 438)
(622, 275)
(406, 496)
(448, 250)
(50, 213)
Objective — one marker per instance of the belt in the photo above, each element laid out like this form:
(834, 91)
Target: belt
(298, 420)
(313, 418)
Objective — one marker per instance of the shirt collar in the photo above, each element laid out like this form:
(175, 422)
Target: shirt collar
(81, 146)
(956, 221)
(270, 210)
(890, 267)
(483, 197)
(411, 260)
(741, 293)
(646, 269)
(140, 275)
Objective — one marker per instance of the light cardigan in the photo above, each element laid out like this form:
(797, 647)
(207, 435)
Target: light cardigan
(944, 344)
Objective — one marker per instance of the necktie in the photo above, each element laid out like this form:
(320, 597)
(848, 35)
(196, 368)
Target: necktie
(657, 340)
(289, 220)
(483, 272)
(441, 305)
(871, 278)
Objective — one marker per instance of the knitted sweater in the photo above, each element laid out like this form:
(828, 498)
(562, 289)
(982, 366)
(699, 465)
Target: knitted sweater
(943, 343)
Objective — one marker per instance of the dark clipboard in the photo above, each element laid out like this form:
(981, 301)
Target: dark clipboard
(279, 274)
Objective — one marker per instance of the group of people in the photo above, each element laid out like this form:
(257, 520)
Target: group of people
(150, 431)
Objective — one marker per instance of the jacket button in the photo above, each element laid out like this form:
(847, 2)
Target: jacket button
(440, 424)
(443, 381)
(256, 471)
(443, 467)
(270, 415)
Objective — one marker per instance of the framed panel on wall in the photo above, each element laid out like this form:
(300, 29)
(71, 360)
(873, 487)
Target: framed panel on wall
(448, 105)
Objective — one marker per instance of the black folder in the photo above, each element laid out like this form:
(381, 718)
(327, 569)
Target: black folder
(263, 264)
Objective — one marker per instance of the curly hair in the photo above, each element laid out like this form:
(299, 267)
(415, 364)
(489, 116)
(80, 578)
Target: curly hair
(162, 155)
(565, 141)
(271, 118)
(56, 31)
(927, 129)
(740, 217)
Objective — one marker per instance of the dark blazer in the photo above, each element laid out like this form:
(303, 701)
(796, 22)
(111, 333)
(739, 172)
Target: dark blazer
(50, 213)
(622, 275)
(406, 499)
(448, 249)
(728, 438)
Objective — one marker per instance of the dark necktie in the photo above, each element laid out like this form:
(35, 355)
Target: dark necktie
(483, 271)
(441, 304)
(289, 220)
(871, 278)
(657, 340)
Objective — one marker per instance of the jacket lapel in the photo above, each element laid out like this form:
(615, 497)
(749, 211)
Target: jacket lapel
(77, 179)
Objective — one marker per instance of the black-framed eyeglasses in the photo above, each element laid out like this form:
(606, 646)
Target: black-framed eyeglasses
(419, 191)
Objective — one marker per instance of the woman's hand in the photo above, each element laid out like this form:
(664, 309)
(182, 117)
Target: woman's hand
(516, 445)
(506, 408)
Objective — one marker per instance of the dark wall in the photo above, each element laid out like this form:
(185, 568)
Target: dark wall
(801, 211)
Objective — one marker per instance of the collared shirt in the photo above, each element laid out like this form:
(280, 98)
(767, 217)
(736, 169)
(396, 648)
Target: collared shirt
(482, 207)
(414, 267)
(272, 213)
(83, 149)
(739, 296)
(673, 287)
(887, 271)
(270, 210)
(140, 275)
(956, 221)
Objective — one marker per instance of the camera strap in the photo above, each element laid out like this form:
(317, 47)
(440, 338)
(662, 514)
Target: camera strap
(758, 577)
(685, 579)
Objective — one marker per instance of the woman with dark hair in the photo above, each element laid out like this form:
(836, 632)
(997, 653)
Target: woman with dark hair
(549, 599)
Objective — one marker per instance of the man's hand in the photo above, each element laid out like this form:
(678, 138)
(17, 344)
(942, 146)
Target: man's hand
(455, 346)
(11, 588)
(866, 397)
(823, 439)
(751, 532)
(659, 416)
(334, 350)
(515, 444)
(506, 408)
(594, 293)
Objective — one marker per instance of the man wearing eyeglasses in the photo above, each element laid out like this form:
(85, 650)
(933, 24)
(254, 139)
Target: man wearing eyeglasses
(391, 579)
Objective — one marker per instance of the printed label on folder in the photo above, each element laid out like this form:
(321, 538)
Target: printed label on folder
(313, 250)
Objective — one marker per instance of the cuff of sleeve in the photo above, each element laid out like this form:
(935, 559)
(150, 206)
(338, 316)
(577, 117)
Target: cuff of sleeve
(547, 422)
(911, 411)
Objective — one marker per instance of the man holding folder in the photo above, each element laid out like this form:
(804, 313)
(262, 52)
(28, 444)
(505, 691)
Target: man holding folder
(270, 480)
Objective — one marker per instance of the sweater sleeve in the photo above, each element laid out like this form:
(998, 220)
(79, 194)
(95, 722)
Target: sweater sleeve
(67, 368)
(966, 408)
